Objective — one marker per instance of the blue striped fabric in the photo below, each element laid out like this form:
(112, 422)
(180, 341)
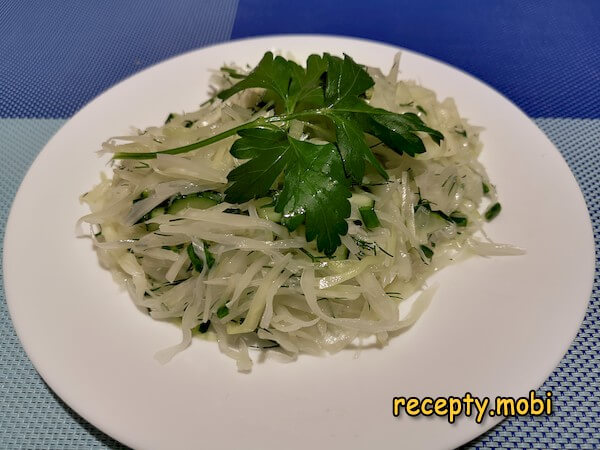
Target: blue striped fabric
(56, 58)
(545, 56)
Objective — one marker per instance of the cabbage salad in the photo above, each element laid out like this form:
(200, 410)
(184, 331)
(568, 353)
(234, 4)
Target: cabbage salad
(298, 210)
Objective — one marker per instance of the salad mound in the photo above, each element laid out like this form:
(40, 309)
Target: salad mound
(299, 209)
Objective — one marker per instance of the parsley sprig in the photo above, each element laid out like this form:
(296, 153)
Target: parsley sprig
(315, 178)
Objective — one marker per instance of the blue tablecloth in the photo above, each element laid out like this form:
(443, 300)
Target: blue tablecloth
(544, 56)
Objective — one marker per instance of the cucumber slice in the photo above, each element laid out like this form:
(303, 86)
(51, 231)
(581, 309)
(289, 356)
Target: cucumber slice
(362, 201)
(427, 221)
(341, 253)
(158, 211)
(269, 213)
(212, 195)
(198, 202)
(152, 227)
(369, 217)
(266, 209)
(366, 205)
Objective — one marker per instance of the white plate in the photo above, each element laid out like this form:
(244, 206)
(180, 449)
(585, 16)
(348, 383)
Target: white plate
(496, 326)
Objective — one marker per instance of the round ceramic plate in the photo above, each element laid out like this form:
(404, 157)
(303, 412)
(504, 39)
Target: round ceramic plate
(497, 326)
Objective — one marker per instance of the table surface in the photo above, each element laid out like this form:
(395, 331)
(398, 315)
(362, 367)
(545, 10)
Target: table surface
(544, 56)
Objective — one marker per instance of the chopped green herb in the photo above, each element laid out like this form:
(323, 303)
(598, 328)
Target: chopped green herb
(142, 196)
(188, 123)
(170, 117)
(236, 211)
(210, 259)
(365, 245)
(460, 221)
(493, 211)
(369, 217)
(222, 311)
(196, 261)
(203, 327)
(460, 131)
(485, 187)
(384, 250)
(271, 344)
(421, 109)
(311, 256)
(173, 248)
(427, 251)
(456, 217)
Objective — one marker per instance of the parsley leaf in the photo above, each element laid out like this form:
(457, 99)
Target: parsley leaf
(305, 86)
(316, 192)
(268, 153)
(346, 80)
(315, 188)
(293, 84)
(398, 131)
(271, 73)
(353, 147)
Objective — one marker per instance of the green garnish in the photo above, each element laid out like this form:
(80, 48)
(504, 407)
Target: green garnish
(369, 217)
(460, 221)
(170, 117)
(421, 109)
(222, 311)
(142, 196)
(316, 177)
(311, 256)
(315, 190)
(485, 187)
(456, 217)
(236, 211)
(460, 131)
(196, 261)
(173, 248)
(427, 251)
(203, 327)
(210, 259)
(493, 211)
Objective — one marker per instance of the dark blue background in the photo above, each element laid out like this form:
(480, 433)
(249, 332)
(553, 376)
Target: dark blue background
(545, 56)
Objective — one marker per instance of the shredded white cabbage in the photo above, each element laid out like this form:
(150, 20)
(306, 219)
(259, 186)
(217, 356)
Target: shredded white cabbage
(268, 287)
